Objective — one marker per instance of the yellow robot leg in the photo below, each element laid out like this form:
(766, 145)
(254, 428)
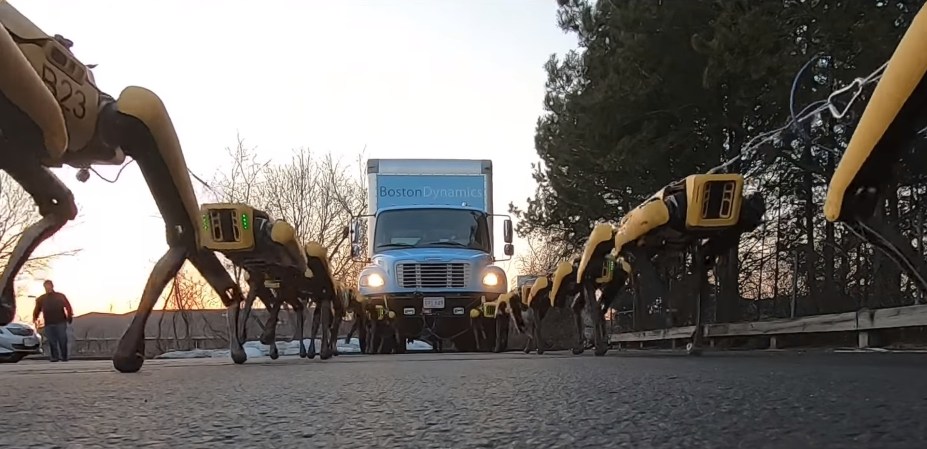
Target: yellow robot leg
(130, 354)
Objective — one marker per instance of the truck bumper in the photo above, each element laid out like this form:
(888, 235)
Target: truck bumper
(415, 320)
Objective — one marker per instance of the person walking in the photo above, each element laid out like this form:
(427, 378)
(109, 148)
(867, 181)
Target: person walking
(57, 313)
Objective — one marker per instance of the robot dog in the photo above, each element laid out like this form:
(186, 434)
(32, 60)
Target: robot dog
(705, 213)
(279, 270)
(595, 270)
(52, 114)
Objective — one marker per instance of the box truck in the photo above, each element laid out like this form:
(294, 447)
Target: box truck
(428, 245)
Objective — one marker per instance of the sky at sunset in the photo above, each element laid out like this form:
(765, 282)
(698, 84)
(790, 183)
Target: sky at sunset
(406, 78)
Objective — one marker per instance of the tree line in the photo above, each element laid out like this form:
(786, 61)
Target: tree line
(656, 91)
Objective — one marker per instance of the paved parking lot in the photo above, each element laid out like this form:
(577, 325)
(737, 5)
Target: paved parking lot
(626, 399)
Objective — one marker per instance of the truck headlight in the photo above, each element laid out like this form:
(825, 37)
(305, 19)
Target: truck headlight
(490, 279)
(373, 280)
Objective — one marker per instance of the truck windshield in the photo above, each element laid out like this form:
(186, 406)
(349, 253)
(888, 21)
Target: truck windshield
(421, 228)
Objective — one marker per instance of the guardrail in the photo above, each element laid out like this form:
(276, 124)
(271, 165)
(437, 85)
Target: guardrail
(864, 321)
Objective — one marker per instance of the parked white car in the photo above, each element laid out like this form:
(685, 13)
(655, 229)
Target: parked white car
(18, 340)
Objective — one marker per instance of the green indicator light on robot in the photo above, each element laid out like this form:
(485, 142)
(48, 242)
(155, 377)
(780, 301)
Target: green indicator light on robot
(205, 222)
(244, 221)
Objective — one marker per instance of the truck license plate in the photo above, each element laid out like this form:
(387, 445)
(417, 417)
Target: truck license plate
(30, 341)
(434, 303)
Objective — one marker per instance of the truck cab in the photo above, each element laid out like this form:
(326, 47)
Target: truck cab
(430, 254)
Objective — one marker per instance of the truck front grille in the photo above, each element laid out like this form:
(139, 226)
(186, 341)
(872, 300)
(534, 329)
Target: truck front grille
(433, 275)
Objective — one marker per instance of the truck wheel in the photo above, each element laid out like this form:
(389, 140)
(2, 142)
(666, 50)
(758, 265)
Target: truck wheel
(390, 344)
(466, 342)
(376, 345)
(502, 334)
(370, 338)
(401, 346)
(384, 341)
(489, 326)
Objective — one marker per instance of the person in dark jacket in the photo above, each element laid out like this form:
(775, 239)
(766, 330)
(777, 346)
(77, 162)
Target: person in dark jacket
(57, 312)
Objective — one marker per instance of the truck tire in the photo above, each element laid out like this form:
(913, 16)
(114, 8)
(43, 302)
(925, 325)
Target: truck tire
(489, 327)
(384, 339)
(502, 334)
(389, 343)
(465, 342)
(376, 339)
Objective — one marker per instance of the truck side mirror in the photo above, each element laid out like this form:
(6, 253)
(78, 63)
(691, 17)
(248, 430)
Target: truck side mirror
(507, 232)
(345, 232)
(508, 249)
(354, 231)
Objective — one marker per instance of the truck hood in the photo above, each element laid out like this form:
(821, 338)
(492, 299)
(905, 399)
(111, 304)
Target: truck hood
(444, 254)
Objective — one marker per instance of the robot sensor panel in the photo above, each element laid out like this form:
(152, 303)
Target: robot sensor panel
(714, 200)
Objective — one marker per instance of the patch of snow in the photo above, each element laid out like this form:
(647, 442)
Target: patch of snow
(418, 345)
(255, 349)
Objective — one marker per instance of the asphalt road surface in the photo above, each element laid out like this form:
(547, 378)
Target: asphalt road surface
(625, 399)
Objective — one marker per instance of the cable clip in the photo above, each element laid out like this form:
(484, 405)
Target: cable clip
(858, 85)
(83, 174)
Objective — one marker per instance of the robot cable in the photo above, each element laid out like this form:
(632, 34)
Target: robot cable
(809, 112)
(84, 173)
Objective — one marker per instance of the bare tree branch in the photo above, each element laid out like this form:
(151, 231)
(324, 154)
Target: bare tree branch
(317, 194)
(17, 212)
(543, 254)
